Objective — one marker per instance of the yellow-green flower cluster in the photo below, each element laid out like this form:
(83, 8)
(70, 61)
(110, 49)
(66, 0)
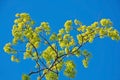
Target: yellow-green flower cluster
(67, 50)
(8, 48)
(50, 75)
(86, 59)
(25, 77)
(76, 51)
(94, 25)
(114, 34)
(34, 42)
(23, 31)
(70, 64)
(22, 27)
(85, 63)
(53, 37)
(70, 69)
(32, 36)
(67, 41)
(81, 28)
(27, 54)
(49, 54)
(60, 34)
(77, 22)
(58, 66)
(67, 25)
(89, 33)
(44, 26)
(105, 22)
(14, 59)
(30, 53)
(62, 31)
(35, 55)
(22, 22)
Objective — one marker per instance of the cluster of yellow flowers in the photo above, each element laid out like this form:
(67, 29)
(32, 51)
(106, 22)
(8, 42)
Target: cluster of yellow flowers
(64, 38)
(22, 22)
(50, 75)
(76, 52)
(27, 54)
(77, 22)
(70, 69)
(86, 59)
(33, 37)
(30, 52)
(67, 25)
(44, 26)
(14, 59)
(105, 22)
(58, 66)
(102, 29)
(23, 31)
(88, 33)
(65, 43)
(49, 51)
(85, 63)
(8, 48)
(23, 28)
(70, 64)
(53, 37)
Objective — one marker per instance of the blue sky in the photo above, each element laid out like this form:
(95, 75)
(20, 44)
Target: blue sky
(105, 64)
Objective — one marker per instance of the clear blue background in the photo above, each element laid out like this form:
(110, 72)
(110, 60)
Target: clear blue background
(105, 64)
